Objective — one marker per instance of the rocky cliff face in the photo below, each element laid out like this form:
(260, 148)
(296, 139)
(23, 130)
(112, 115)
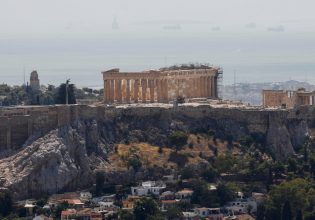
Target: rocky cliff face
(65, 158)
(55, 162)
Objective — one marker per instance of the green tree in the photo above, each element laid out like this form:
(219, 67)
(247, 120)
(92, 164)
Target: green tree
(202, 195)
(298, 191)
(62, 94)
(178, 139)
(305, 153)
(261, 212)
(312, 165)
(299, 215)
(174, 213)
(5, 203)
(100, 181)
(225, 193)
(187, 173)
(145, 208)
(286, 211)
(210, 174)
(292, 165)
(134, 162)
(126, 215)
(56, 212)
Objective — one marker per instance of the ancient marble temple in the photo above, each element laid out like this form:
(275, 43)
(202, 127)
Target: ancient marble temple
(162, 85)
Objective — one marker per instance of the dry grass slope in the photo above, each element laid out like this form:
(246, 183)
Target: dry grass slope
(198, 148)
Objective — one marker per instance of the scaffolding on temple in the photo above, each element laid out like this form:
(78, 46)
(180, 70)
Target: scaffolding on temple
(220, 83)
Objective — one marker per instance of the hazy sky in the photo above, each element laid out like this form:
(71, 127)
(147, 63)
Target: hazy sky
(81, 17)
(263, 40)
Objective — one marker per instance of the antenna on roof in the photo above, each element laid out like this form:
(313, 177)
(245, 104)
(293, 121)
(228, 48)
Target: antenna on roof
(234, 88)
(24, 73)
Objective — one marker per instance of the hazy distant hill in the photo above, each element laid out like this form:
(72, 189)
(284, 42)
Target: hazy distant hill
(251, 92)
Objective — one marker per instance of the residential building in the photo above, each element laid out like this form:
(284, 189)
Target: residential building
(148, 188)
(168, 204)
(130, 202)
(167, 195)
(190, 216)
(67, 214)
(184, 195)
(85, 196)
(209, 213)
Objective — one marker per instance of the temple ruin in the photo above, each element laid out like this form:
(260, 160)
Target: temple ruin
(288, 99)
(162, 85)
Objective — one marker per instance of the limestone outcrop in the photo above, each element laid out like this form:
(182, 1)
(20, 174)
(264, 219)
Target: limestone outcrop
(55, 162)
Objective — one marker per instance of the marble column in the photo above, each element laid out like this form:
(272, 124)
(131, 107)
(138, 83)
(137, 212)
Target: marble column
(151, 86)
(158, 90)
(191, 88)
(123, 90)
(165, 90)
(201, 86)
(105, 91)
(136, 90)
(194, 88)
(128, 90)
(177, 87)
(198, 87)
(208, 86)
(144, 86)
(119, 91)
(212, 87)
(116, 91)
(112, 91)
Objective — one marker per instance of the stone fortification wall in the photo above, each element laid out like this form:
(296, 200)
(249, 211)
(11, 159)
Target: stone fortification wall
(257, 120)
(20, 123)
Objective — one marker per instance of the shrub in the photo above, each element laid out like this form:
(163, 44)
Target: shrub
(134, 162)
(146, 208)
(211, 133)
(246, 141)
(209, 174)
(180, 99)
(187, 173)
(160, 151)
(191, 145)
(178, 139)
(179, 159)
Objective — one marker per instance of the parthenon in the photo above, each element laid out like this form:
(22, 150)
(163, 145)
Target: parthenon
(162, 85)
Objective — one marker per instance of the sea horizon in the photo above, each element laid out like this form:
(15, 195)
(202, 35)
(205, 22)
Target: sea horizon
(252, 57)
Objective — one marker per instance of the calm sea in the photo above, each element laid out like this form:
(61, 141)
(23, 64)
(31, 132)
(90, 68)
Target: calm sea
(254, 57)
